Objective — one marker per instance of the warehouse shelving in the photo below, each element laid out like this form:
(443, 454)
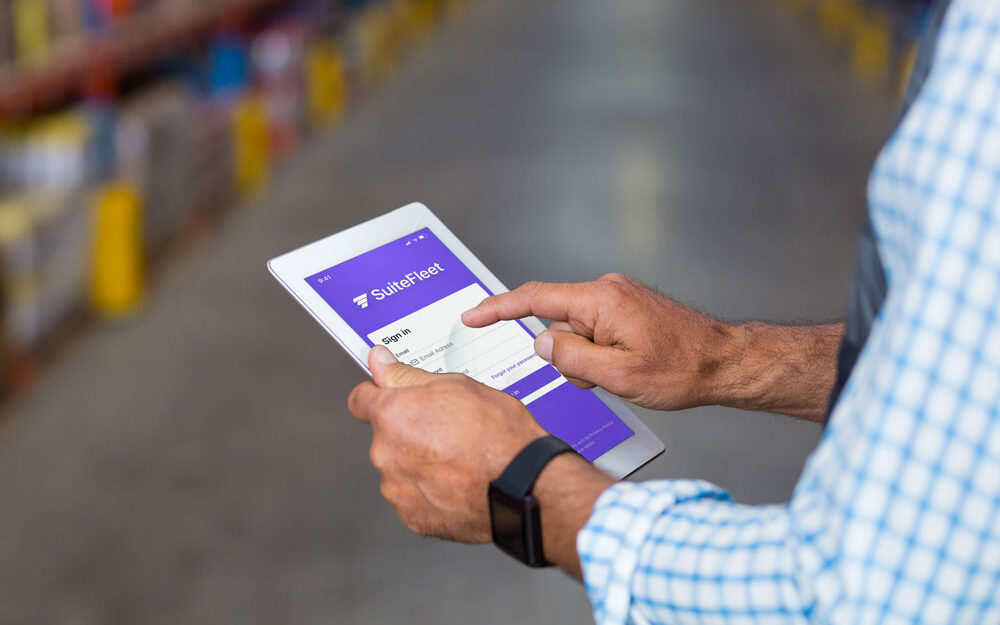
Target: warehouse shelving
(121, 145)
(129, 45)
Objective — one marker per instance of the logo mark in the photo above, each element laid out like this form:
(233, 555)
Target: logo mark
(362, 300)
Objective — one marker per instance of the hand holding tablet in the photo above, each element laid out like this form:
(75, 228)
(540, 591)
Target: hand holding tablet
(403, 280)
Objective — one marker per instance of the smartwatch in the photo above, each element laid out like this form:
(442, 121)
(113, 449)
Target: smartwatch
(514, 512)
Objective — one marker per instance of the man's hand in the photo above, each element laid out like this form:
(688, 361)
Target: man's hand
(640, 345)
(438, 440)
(620, 335)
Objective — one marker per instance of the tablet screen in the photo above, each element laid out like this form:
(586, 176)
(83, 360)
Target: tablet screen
(409, 296)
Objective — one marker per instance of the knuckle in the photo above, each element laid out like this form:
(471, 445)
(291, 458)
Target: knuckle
(532, 287)
(621, 280)
(389, 490)
(378, 457)
(354, 401)
(609, 292)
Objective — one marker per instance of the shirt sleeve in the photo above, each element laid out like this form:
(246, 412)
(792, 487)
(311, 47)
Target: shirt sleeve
(682, 552)
(895, 518)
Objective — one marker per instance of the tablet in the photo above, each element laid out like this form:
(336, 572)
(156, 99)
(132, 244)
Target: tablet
(403, 280)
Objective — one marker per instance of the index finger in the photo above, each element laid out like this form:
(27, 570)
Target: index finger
(558, 302)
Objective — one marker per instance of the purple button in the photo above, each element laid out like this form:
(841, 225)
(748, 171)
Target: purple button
(532, 382)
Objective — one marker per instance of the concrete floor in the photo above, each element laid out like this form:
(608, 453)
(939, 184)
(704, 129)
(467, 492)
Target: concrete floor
(197, 465)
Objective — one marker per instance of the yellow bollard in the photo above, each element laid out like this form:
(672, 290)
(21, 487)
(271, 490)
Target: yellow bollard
(118, 266)
(251, 150)
(871, 49)
(31, 29)
(326, 83)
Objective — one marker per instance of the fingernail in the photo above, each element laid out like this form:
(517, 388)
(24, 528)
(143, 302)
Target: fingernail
(383, 355)
(543, 346)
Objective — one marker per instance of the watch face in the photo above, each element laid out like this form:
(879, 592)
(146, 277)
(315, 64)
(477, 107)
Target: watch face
(508, 523)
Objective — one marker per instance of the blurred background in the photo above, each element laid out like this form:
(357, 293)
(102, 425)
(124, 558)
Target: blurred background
(174, 443)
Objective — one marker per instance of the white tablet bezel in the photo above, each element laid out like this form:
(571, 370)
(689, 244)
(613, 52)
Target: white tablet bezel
(293, 268)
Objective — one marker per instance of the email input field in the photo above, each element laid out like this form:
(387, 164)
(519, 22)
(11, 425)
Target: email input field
(435, 339)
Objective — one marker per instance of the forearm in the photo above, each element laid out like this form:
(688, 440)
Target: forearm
(774, 368)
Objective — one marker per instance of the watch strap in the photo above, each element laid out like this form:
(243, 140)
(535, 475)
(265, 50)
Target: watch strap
(519, 477)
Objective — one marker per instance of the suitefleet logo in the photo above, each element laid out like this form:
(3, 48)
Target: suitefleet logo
(397, 286)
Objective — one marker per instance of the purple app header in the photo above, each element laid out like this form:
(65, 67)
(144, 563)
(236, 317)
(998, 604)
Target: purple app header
(381, 286)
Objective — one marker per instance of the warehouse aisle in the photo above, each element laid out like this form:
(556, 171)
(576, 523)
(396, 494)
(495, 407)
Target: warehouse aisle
(197, 465)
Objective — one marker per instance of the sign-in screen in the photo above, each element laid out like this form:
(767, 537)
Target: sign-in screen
(409, 295)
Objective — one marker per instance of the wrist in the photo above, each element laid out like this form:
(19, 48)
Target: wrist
(776, 368)
(566, 491)
(739, 382)
(723, 368)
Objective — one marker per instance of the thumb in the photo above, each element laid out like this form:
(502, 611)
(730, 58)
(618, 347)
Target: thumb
(576, 356)
(387, 372)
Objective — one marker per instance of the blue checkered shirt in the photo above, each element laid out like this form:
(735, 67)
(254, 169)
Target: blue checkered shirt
(896, 517)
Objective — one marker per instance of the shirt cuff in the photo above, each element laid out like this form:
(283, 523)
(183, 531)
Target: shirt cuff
(610, 544)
